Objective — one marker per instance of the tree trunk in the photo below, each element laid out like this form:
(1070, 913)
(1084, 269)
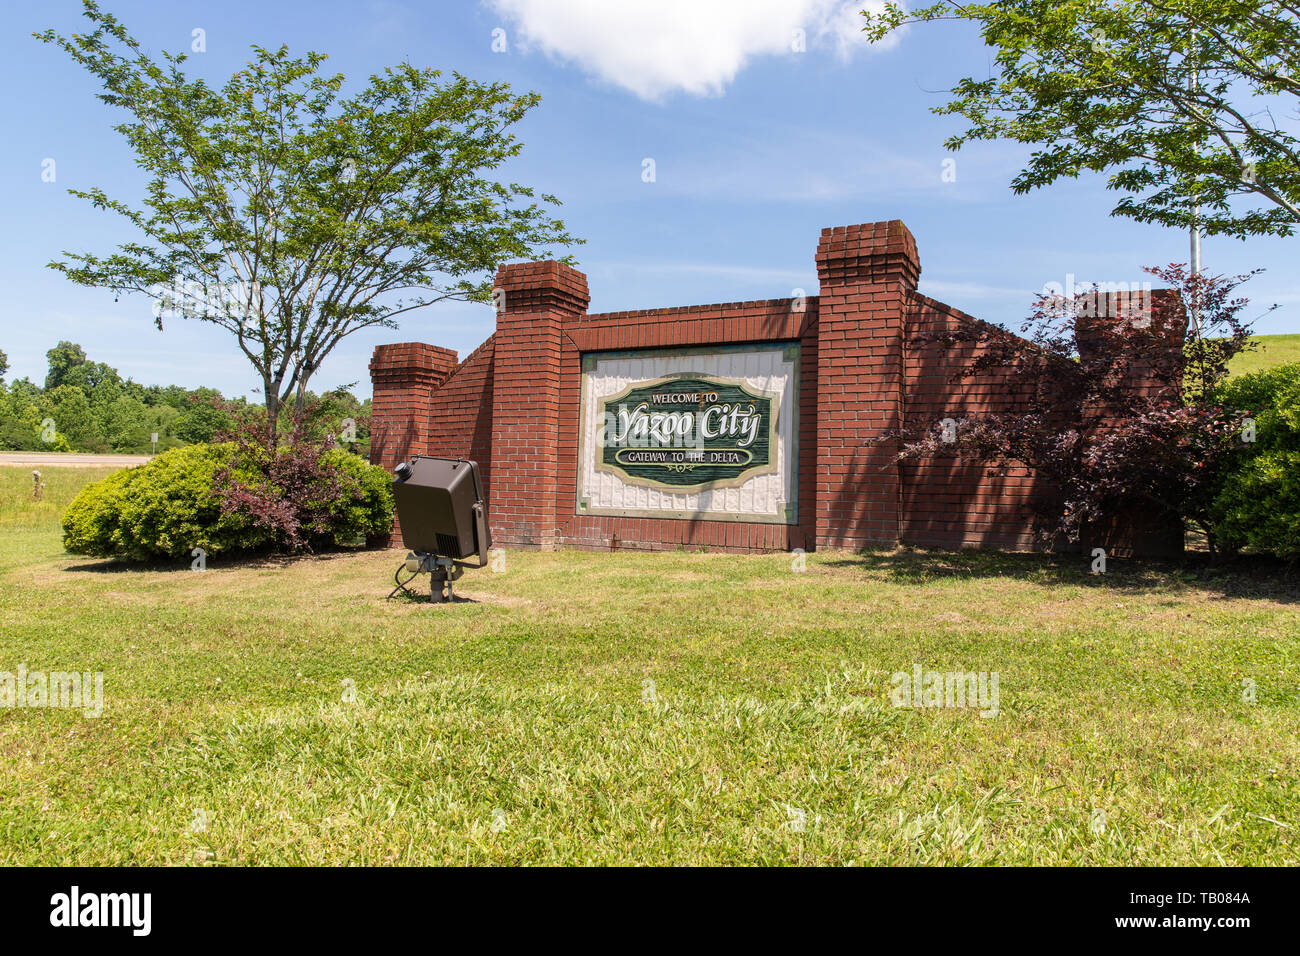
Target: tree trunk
(272, 394)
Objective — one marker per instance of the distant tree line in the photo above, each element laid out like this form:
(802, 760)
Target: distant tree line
(87, 406)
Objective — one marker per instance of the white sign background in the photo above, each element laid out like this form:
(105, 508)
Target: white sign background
(766, 498)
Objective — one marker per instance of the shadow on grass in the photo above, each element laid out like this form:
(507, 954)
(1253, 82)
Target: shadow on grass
(1247, 576)
(220, 562)
(422, 600)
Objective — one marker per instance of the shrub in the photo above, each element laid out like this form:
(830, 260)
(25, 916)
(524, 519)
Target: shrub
(214, 496)
(306, 493)
(90, 525)
(1108, 405)
(366, 509)
(162, 509)
(1258, 502)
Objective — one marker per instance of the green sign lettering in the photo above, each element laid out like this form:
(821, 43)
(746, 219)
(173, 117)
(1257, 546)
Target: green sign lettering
(687, 433)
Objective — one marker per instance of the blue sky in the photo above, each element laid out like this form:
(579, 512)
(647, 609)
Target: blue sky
(756, 148)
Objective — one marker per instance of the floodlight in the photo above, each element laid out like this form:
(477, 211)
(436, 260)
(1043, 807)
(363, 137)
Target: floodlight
(442, 511)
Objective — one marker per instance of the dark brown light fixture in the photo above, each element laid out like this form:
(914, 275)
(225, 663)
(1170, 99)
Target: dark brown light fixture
(442, 509)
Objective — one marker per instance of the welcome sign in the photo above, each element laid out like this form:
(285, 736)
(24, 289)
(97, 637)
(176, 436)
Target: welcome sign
(688, 433)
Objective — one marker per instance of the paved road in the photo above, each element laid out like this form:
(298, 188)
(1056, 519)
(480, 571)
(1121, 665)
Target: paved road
(38, 459)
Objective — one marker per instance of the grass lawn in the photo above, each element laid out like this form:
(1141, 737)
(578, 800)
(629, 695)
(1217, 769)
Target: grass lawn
(1273, 350)
(627, 708)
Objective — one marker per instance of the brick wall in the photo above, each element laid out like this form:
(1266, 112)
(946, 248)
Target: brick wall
(730, 323)
(948, 503)
(535, 299)
(460, 416)
(867, 274)
(513, 406)
(405, 378)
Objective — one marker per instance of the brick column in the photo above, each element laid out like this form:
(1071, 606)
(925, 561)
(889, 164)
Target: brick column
(404, 378)
(1146, 531)
(533, 299)
(867, 272)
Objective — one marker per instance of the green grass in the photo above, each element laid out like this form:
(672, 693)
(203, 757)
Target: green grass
(523, 727)
(1273, 350)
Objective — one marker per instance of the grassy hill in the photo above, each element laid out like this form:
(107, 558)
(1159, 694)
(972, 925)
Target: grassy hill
(1273, 350)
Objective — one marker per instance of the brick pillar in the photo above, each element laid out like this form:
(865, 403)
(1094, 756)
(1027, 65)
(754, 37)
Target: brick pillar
(867, 273)
(404, 378)
(1146, 531)
(533, 299)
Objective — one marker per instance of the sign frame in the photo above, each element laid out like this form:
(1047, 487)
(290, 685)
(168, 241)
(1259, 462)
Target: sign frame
(791, 351)
(769, 468)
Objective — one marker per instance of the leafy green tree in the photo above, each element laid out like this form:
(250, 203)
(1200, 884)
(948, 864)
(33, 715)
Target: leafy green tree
(162, 419)
(24, 392)
(126, 424)
(95, 410)
(4, 365)
(205, 417)
(293, 216)
(63, 359)
(1181, 102)
(174, 396)
(19, 416)
(74, 418)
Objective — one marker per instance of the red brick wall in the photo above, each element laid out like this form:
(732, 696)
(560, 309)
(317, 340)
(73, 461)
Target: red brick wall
(948, 503)
(770, 320)
(867, 273)
(513, 406)
(405, 378)
(460, 420)
(530, 364)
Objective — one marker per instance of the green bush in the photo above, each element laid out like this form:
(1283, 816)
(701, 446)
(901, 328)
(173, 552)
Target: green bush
(172, 505)
(1258, 505)
(368, 508)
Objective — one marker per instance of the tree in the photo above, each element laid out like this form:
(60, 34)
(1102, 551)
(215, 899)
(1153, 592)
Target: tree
(63, 358)
(19, 416)
(4, 364)
(293, 216)
(1113, 411)
(1176, 100)
(74, 418)
(205, 417)
(126, 423)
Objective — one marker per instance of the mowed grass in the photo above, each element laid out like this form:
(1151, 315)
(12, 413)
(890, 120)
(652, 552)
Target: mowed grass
(676, 708)
(1272, 350)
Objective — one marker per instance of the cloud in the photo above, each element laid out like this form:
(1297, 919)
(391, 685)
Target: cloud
(654, 48)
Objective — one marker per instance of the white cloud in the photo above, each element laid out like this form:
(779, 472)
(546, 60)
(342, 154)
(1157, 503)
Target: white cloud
(657, 47)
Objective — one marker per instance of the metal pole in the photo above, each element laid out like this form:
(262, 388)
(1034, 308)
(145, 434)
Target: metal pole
(1193, 84)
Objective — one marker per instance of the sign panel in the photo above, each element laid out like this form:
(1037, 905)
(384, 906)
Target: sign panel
(703, 433)
(691, 432)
